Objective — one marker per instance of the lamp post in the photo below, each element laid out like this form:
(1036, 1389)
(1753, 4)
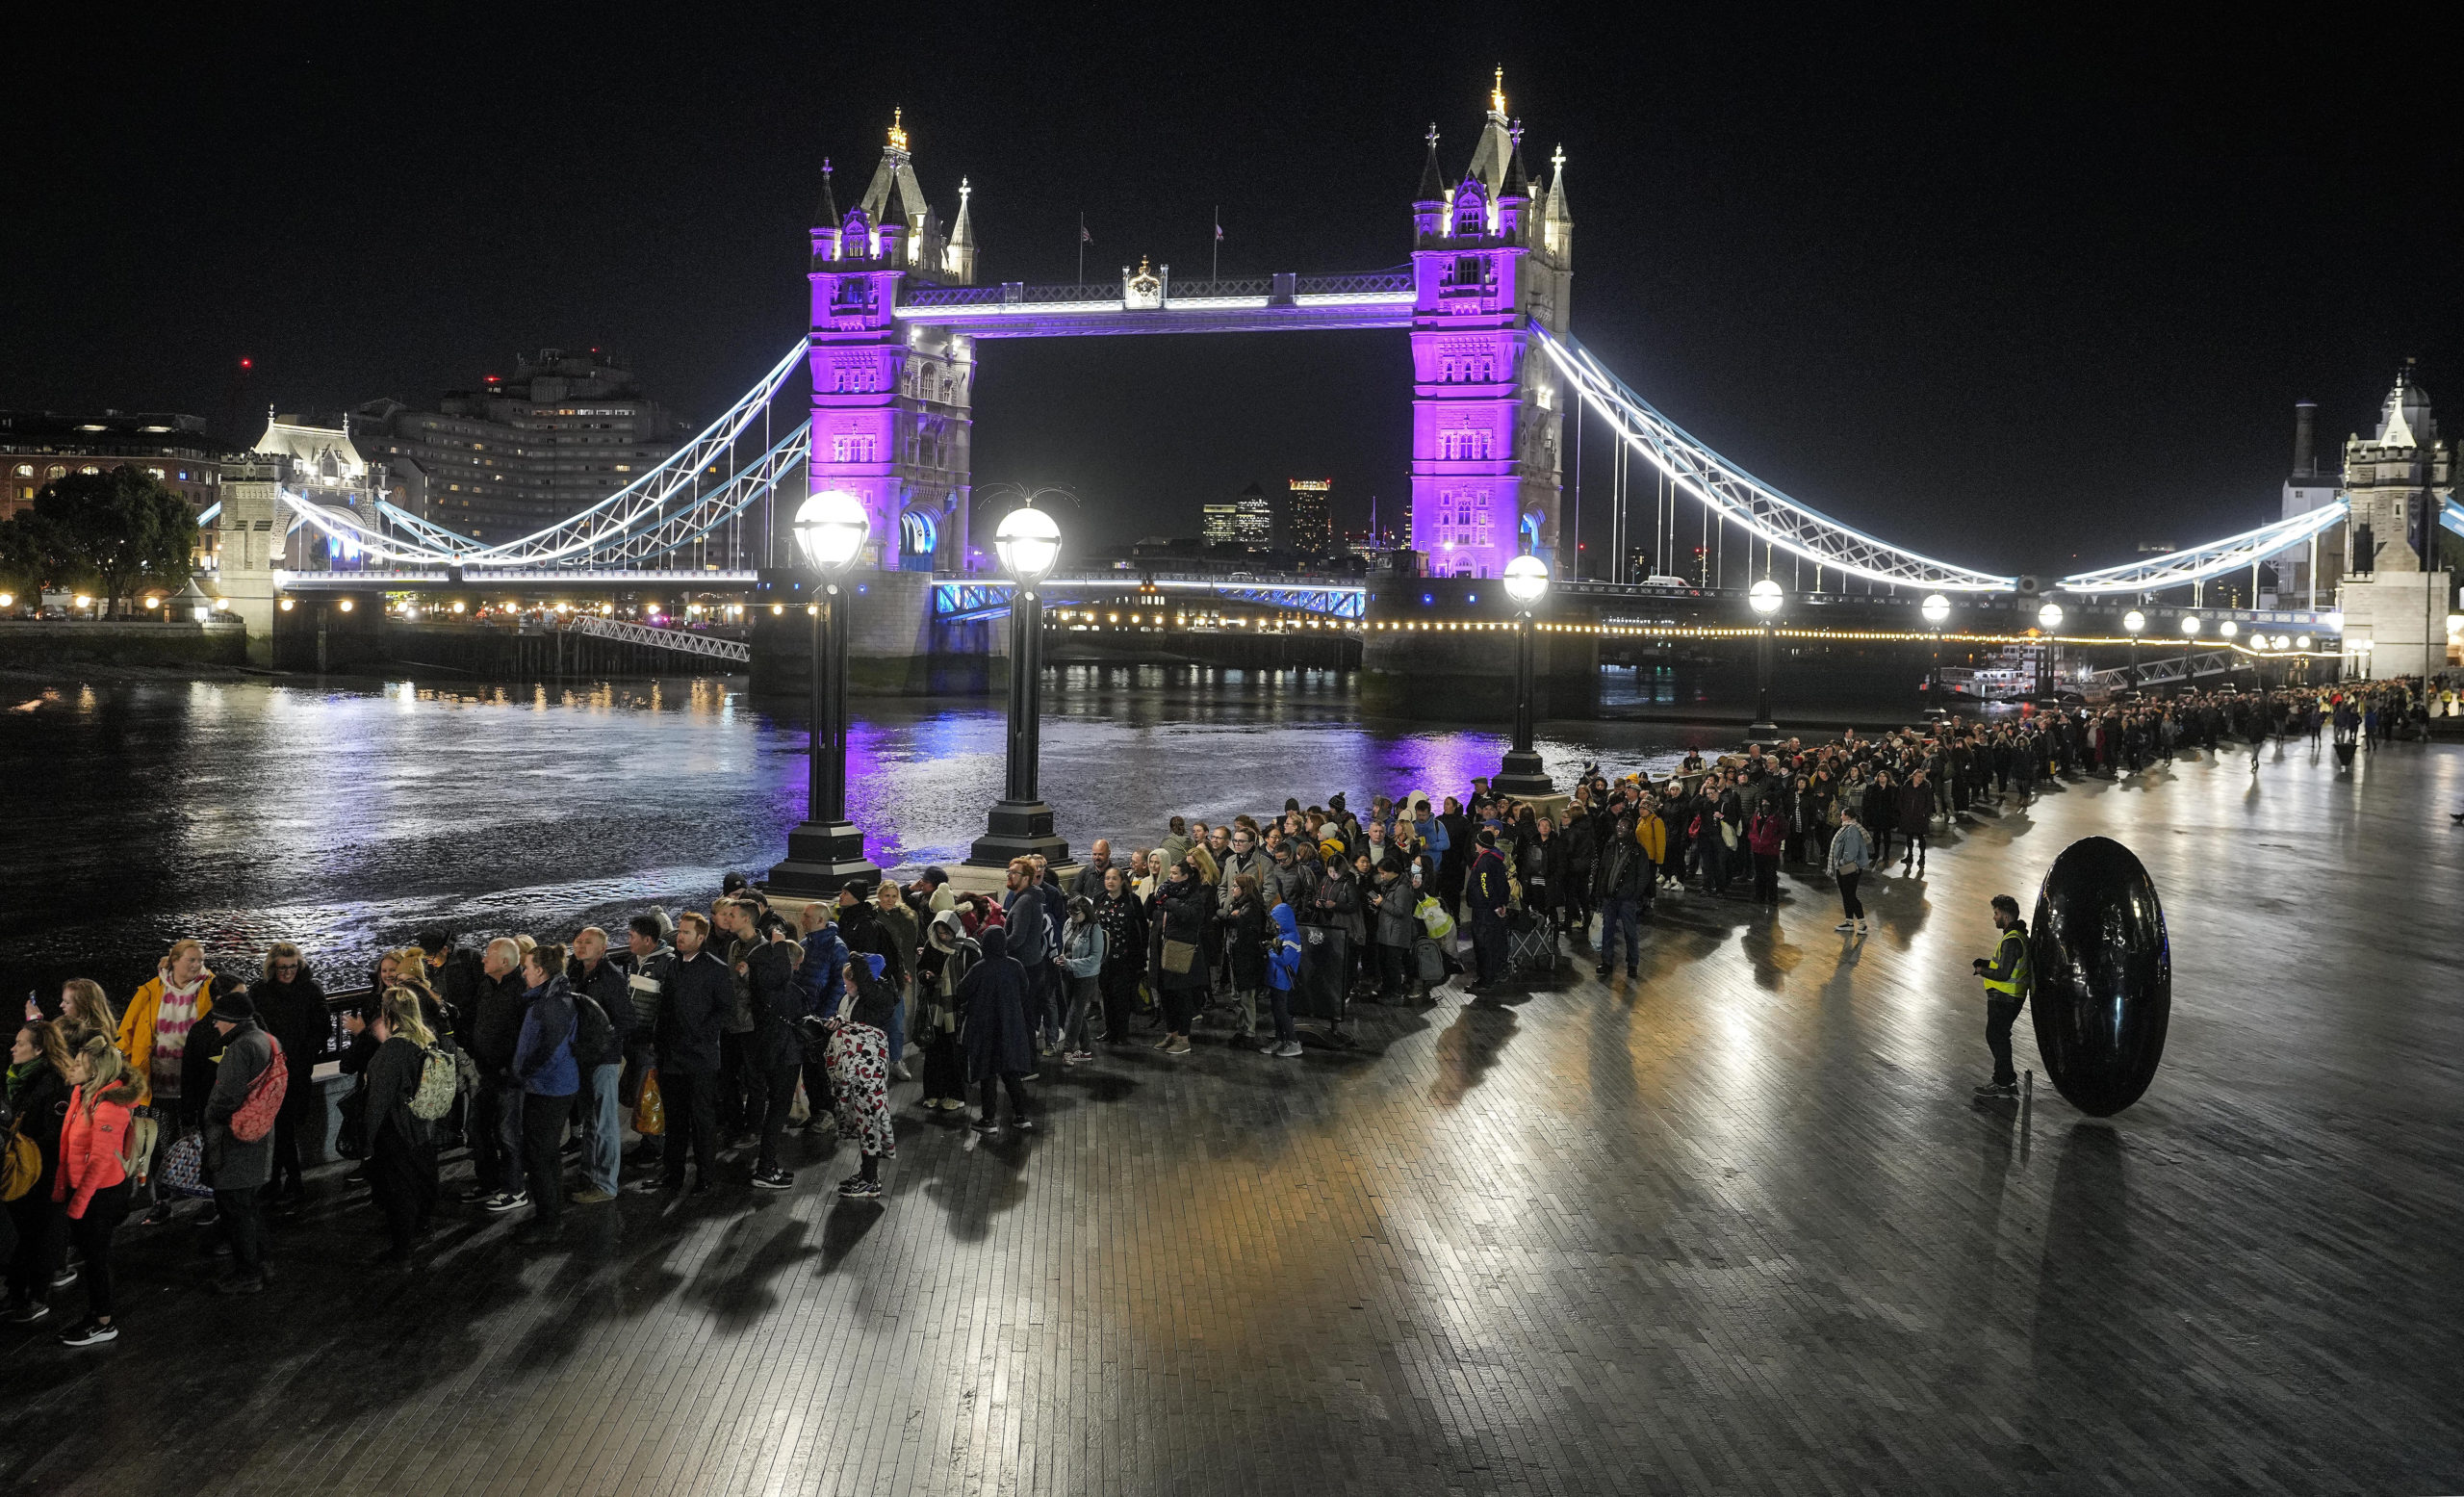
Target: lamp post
(2227, 630)
(2132, 623)
(827, 851)
(2189, 637)
(1029, 544)
(1936, 608)
(1765, 599)
(1527, 583)
(2049, 619)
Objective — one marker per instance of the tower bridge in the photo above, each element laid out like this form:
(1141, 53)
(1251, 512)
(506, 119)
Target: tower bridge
(890, 359)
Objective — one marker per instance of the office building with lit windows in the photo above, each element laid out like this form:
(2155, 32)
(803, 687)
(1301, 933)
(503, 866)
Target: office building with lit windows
(37, 447)
(523, 450)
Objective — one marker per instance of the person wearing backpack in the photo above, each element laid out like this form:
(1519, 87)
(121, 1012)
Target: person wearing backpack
(401, 1142)
(602, 1016)
(239, 1135)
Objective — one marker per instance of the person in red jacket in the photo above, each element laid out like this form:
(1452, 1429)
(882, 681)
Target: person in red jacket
(1763, 838)
(91, 1186)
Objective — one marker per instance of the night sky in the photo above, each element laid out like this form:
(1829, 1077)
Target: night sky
(2005, 289)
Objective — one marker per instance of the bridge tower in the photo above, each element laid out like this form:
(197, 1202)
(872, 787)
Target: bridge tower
(1492, 257)
(2395, 594)
(892, 409)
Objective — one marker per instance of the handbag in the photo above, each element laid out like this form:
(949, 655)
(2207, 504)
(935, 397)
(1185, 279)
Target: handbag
(184, 1166)
(20, 1165)
(1179, 955)
(650, 1113)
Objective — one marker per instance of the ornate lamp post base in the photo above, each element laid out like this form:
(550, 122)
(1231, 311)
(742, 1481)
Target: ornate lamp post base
(1016, 829)
(823, 857)
(1520, 775)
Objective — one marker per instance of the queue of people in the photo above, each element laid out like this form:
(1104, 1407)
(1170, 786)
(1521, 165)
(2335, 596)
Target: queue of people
(710, 1035)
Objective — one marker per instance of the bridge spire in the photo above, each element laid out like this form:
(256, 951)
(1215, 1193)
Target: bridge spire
(1514, 199)
(826, 215)
(1490, 157)
(1429, 209)
(959, 259)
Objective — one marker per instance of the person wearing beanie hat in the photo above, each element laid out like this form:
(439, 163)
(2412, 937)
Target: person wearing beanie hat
(938, 895)
(238, 1169)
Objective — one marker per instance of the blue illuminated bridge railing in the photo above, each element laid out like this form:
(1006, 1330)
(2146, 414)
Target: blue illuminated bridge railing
(957, 602)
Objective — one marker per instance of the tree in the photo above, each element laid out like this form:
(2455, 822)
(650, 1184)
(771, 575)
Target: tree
(25, 560)
(121, 529)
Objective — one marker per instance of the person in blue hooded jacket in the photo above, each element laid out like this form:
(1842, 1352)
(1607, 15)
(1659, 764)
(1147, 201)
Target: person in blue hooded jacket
(1283, 968)
(819, 979)
(542, 1064)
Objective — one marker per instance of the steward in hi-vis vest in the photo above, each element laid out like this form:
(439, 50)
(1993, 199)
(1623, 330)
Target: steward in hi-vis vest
(2006, 990)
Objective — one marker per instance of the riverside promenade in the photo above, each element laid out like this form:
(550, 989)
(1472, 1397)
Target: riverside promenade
(1737, 1227)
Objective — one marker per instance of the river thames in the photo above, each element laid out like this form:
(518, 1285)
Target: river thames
(346, 817)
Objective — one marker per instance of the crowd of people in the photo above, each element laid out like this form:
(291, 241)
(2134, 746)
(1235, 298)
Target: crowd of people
(711, 1033)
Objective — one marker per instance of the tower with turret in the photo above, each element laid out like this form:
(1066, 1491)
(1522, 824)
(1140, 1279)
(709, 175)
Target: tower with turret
(2396, 594)
(1492, 259)
(892, 413)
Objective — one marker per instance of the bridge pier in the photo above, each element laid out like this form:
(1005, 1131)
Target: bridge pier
(895, 647)
(1443, 648)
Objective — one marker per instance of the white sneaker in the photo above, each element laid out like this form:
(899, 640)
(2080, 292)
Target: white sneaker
(1845, 925)
(1860, 927)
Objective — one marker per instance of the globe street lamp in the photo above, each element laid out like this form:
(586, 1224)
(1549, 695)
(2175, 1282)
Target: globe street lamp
(1527, 583)
(1765, 599)
(2189, 636)
(827, 852)
(2133, 622)
(1029, 544)
(2049, 619)
(1936, 608)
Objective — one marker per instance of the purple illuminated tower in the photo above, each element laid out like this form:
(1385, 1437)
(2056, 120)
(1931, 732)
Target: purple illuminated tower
(892, 418)
(1491, 257)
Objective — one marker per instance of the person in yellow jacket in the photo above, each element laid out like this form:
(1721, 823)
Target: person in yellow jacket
(2006, 978)
(1651, 833)
(155, 1035)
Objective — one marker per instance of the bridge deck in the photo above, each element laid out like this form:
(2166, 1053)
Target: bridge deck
(1737, 1227)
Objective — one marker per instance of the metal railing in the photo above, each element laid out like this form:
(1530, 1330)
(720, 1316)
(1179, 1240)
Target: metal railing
(684, 641)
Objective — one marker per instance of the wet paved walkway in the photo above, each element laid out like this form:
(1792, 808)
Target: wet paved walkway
(1737, 1227)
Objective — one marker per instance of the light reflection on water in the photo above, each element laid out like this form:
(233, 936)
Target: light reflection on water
(244, 813)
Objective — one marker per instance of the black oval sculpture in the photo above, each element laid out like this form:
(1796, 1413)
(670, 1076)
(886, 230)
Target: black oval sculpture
(2104, 976)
